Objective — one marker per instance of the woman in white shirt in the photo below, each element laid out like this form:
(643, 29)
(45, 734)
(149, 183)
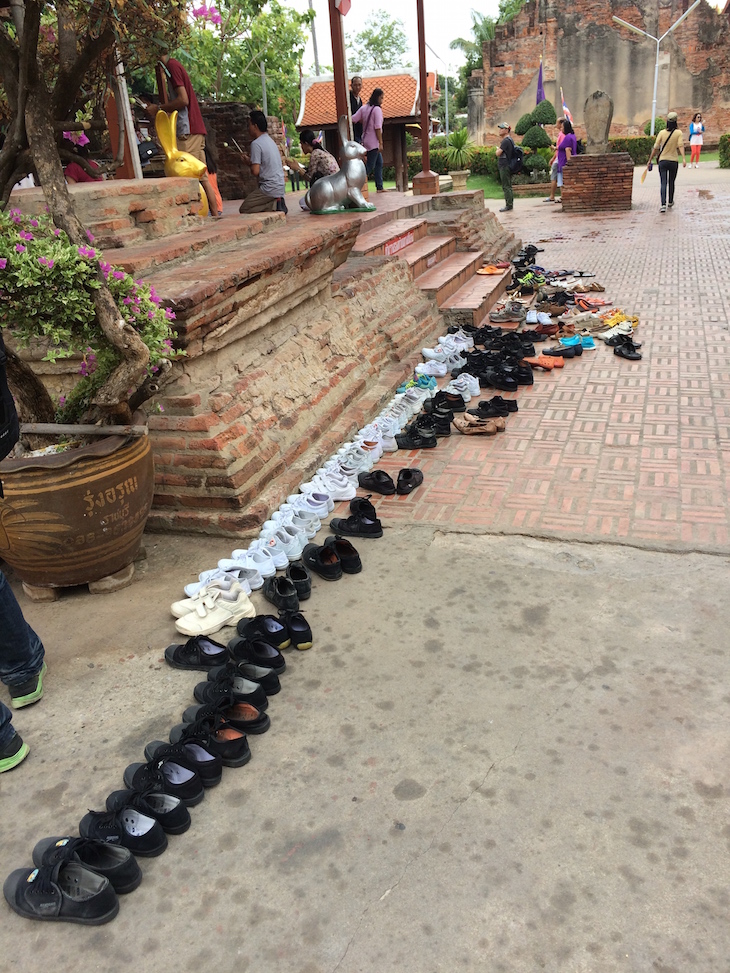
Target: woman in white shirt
(696, 129)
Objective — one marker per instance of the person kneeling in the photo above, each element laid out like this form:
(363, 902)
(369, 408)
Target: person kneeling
(265, 162)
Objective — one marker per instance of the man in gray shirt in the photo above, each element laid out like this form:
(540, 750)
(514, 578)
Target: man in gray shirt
(266, 165)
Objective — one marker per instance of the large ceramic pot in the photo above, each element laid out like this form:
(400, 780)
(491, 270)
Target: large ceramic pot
(78, 516)
(459, 177)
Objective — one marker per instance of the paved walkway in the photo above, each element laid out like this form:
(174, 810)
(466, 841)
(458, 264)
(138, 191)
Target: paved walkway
(606, 449)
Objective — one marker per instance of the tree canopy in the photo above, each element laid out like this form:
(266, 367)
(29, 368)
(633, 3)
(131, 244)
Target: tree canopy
(380, 46)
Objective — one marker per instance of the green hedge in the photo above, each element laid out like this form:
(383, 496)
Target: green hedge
(484, 163)
(639, 147)
(725, 152)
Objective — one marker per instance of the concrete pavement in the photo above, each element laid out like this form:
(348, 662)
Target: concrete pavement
(508, 748)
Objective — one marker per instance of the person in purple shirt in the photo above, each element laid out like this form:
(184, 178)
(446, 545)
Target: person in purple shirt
(371, 117)
(567, 148)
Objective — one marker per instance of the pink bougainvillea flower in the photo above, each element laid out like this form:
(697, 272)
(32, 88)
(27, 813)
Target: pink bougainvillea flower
(19, 248)
(25, 235)
(86, 251)
(34, 223)
(169, 314)
(46, 262)
(90, 236)
(56, 231)
(118, 274)
(4, 263)
(78, 138)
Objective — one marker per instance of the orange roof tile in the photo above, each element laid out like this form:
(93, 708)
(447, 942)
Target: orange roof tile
(318, 97)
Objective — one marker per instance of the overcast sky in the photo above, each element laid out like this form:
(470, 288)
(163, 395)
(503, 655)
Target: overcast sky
(445, 20)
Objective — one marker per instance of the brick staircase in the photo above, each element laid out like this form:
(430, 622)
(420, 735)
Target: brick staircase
(438, 247)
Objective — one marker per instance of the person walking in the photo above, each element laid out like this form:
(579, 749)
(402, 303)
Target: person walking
(191, 129)
(668, 146)
(371, 118)
(567, 148)
(505, 152)
(21, 669)
(554, 164)
(356, 105)
(696, 130)
(265, 162)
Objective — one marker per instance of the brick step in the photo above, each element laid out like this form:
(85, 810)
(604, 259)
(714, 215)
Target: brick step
(447, 277)
(153, 254)
(390, 238)
(473, 301)
(427, 252)
(395, 208)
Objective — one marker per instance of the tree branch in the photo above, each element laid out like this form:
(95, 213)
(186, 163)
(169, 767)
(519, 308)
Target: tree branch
(67, 39)
(9, 66)
(69, 81)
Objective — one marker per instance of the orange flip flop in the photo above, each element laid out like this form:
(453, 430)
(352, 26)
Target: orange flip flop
(542, 361)
(490, 269)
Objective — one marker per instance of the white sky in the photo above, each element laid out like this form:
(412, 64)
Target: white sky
(444, 21)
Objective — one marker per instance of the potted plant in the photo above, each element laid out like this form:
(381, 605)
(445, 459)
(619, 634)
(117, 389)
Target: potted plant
(459, 153)
(76, 516)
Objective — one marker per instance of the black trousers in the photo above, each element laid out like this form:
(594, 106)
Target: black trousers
(667, 177)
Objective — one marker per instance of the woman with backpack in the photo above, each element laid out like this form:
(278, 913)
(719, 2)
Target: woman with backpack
(668, 146)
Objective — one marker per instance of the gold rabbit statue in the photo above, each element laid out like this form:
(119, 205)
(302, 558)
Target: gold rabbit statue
(179, 163)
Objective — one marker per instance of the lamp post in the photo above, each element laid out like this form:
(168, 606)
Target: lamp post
(657, 41)
(446, 86)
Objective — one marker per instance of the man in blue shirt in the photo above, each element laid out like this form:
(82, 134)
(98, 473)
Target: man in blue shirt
(266, 165)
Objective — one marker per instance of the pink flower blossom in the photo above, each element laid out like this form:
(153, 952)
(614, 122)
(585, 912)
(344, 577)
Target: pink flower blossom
(46, 262)
(118, 274)
(90, 236)
(34, 223)
(19, 248)
(4, 263)
(169, 314)
(25, 235)
(150, 314)
(78, 138)
(56, 231)
(86, 252)
(62, 400)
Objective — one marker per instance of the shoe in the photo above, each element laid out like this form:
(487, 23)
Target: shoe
(220, 583)
(312, 503)
(13, 753)
(285, 543)
(64, 892)
(307, 523)
(241, 575)
(627, 350)
(337, 487)
(360, 524)
(378, 481)
(434, 369)
(299, 630)
(29, 691)
(214, 735)
(301, 579)
(413, 438)
(363, 508)
(434, 424)
(205, 762)
(505, 209)
(282, 593)
(241, 716)
(229, 679)
(662, 209)
(323, 561)
(166, 775)
(258, 653)
(260, 560)
(446, 401)
(408, 480)
(142, 835)
(267, 628)
(113, 862)
(497, 378)
(198, 653)
(470, 425)
(216, 609)
(169, 811)
(349, 558)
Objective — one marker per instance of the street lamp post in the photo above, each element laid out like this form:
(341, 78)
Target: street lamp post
(657, 41)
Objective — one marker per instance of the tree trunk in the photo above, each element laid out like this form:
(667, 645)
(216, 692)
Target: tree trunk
(33, 402)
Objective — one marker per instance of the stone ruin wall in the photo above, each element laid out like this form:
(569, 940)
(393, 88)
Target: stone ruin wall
(583, 50)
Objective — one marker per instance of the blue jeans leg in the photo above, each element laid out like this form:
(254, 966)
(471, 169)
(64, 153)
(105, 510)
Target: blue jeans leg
(663, 178)
(374, 165)
(21, 651)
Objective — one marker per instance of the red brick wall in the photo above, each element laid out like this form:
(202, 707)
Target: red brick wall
(598, 183)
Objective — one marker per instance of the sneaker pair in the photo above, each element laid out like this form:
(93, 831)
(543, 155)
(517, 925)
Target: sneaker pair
(212, 609)
(466, 385)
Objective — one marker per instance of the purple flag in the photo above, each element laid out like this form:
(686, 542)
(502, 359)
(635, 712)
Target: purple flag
(540, 89)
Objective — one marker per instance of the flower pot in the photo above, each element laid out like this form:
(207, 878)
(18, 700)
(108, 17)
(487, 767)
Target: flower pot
(75, 517)
(459, 178)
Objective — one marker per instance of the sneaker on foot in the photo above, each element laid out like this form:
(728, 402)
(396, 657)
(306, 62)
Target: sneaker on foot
(29, 691)
(13, 753)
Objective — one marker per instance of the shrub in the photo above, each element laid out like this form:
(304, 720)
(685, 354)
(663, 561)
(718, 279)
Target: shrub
(725, 152)
(460, 150)
(524, 125)
(438, 142)
(659, 125)
(483, 163)
(535, 163)
(544, 113)
(639, 147)
(536, 138)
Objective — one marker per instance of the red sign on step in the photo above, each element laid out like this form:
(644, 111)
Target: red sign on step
(400, 243)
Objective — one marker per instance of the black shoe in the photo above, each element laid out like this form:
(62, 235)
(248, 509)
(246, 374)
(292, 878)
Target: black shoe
(627, 350)
(349, 558)
(166, 775)
(215, 735)
(170, 811)
(266, 627)
(435, 423)
(111, 861)
(301, 579)
(299, 629)
(29, 691)
(486, 410)
(13, 753)
(199, 652)
(231, 679)
(509, 404)
(413, 438)
(323, 561)
(522, 372)
(450, 401)
(130, 829)
(408, 480)
(377, 481)
(357, 526)
(64, 892)
(205, 763)
(505, 209)
(563, 351)
(498, 378)
(620, 339)
(258, 652)
(362, 507)
(241, 716)
(282, 593)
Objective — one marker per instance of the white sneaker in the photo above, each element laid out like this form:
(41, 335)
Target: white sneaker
(436, 369)
(221, 583)
(316, 503)
(329, 482)
(214, 610)
(255, 557)
(307, 523)
(461, 390)
(206, 578)
(438, 353)
(460, 339)
(284, 544)
(248, 577)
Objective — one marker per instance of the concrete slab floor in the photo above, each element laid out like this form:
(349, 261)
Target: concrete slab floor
(514, 760)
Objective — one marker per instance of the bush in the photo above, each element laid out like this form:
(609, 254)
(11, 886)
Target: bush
(460, 150)
(438, 142)
(483, 163)
(639, 148)
(659, 125)
(535, 163)
(544, 113)
(524, 125)
(536, 138)
(725, 152)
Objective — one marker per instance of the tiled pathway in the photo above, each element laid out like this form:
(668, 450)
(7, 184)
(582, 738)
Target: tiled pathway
(606, 449)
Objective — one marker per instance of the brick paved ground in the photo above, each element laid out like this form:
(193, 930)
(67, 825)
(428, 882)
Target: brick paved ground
(606, 449)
